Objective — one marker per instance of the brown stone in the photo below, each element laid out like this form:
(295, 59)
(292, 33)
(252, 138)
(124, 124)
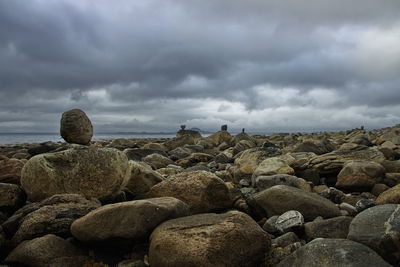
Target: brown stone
(209, 240)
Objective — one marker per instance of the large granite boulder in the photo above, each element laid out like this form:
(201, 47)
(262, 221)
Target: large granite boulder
(54, 216)
(76, 127)
(333, 253)
(203, 191)
(127, 222)
(379, 228)
(228, 239)
(94, 172)
(10, 170)
(360, 175)
(42, 252)
(281, 198)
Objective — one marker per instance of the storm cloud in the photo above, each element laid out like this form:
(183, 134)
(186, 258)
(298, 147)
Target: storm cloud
(290, 65)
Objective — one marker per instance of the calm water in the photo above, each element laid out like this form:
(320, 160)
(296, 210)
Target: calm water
(18, 138)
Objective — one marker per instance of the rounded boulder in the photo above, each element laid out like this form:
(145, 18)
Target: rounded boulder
(94, 172)
(207, 240)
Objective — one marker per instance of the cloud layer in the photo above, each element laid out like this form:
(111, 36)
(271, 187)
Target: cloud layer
(291, 65)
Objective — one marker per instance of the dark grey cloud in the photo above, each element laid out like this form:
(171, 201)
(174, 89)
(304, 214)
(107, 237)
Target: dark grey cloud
(151, 65)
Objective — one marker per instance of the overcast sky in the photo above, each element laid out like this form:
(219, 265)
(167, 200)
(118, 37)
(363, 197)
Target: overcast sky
(147, 65)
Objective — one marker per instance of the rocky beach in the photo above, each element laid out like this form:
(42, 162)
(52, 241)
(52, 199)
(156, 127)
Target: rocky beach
(289, 199)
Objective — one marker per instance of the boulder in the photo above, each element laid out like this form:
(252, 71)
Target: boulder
(228, 239)
(351, 151)
(11, 197)
(272, 166)
(390, 196)
(76, 127)
(281, 198)
(202, 191)
(54, 218)
(264, 182)
(41, 252)
(220, 137)
(127, 222)
(318, 147)
(94, 172)
(337, 227)
(157, 161)
(378, 227)
(360, 175)
(142, 178)
(10, 170)
(333, 253)
(248, 161)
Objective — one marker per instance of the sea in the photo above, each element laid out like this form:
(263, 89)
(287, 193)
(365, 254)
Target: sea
(19, 138)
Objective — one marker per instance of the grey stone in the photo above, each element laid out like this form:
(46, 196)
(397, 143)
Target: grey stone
(333, 253)
(289, 221)
(281, 198)
(379, 228)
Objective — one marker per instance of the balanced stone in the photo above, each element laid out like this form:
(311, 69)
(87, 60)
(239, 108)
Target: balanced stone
(76, 127)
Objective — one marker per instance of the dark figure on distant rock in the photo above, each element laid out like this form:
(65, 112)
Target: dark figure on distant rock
(224, 127)
(76, 127)
(362, 127)
(183, 127)
(243, 130)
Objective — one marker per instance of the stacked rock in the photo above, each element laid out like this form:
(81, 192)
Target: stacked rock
(76, 127)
